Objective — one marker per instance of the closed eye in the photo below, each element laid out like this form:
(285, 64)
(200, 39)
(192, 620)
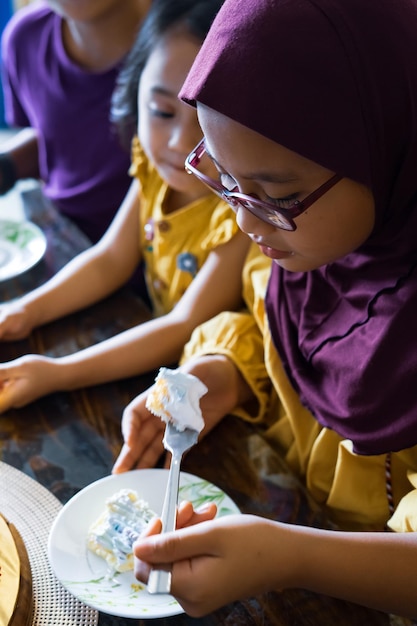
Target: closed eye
(230, 184)
(161, 114)
(283, 202)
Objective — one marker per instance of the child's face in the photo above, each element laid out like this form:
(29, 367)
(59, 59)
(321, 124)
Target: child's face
(336, 224)
(168, 129)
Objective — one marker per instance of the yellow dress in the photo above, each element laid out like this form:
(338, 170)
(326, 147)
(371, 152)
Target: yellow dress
(175, 245)
(354, 488)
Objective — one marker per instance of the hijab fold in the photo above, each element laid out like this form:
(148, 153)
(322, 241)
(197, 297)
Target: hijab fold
(336, 82)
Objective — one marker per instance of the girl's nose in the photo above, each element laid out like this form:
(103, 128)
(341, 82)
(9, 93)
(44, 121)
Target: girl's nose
(252, 225)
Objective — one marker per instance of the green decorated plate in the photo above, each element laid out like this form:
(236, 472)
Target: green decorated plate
(22, 245)
(86, 575)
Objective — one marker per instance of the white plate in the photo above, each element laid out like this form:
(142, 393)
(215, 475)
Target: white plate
(22, 245)
(86, 575)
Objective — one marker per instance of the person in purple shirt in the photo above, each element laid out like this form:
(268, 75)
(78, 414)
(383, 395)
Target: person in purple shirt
(60, 60)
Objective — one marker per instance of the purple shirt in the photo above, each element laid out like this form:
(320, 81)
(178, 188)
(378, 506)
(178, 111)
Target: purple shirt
(84, 169)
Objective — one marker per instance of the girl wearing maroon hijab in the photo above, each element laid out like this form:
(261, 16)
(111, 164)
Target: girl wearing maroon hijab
(309, 111)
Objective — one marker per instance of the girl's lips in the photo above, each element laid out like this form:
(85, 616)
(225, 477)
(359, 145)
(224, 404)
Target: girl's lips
(274, 254)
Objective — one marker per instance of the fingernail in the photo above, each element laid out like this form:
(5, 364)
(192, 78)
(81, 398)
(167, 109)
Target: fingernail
(204, 507)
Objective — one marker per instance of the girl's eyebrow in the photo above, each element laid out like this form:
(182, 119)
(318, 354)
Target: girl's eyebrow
(266, 177)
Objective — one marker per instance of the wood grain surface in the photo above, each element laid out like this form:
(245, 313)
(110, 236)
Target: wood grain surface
(22, 615)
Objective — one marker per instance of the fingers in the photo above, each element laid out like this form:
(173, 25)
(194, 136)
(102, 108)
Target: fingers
(153, 528)
(187, 516)
(183, 543)
(14, 391)
(144, 452)
(138, 422)
(6, 398)
(142, 433)
(184, 514)
(131, 424)
(14, 324)
(176, 546)
(151, 455)
(125, 461)
(137, 458)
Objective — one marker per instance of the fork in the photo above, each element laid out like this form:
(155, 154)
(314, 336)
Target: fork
(177, 442)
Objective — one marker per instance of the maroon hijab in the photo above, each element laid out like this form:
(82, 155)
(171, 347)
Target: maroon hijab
(336, 81)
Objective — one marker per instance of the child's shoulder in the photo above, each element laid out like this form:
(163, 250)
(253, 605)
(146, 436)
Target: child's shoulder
(27, 21)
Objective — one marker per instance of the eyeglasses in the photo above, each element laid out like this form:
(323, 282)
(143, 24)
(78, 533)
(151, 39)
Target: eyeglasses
(265, 211)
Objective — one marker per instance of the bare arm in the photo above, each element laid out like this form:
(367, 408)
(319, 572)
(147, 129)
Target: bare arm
(216, 287)
(88, 278)
(378, 570)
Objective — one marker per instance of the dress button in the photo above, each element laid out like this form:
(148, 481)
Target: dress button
(164, 226)
(149, 230)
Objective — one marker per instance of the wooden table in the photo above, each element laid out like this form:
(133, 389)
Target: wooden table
(67, 440)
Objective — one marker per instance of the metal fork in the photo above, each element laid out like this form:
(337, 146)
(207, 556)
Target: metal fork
(177, 442)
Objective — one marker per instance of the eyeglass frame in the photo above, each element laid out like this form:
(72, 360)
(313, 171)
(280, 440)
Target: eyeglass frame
(250, 202)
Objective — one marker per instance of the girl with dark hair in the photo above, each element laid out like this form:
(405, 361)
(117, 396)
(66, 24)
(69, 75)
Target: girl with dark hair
(187, 236)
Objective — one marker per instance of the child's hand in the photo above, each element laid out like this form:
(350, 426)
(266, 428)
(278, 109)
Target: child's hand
(215, 562)
(26, 379)
(186, 516)
(14, 322)
(142, 434)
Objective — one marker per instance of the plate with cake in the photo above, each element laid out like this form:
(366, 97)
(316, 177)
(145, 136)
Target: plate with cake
(90, 541)
(90, 544)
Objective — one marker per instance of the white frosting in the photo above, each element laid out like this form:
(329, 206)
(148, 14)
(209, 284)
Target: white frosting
(112, 536)
(176, 397)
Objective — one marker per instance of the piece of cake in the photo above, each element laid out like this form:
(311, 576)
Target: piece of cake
(15, 578)
(113, 534)
(176, 397)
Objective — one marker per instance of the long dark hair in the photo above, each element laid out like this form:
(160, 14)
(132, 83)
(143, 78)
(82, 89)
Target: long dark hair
(195, 16)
